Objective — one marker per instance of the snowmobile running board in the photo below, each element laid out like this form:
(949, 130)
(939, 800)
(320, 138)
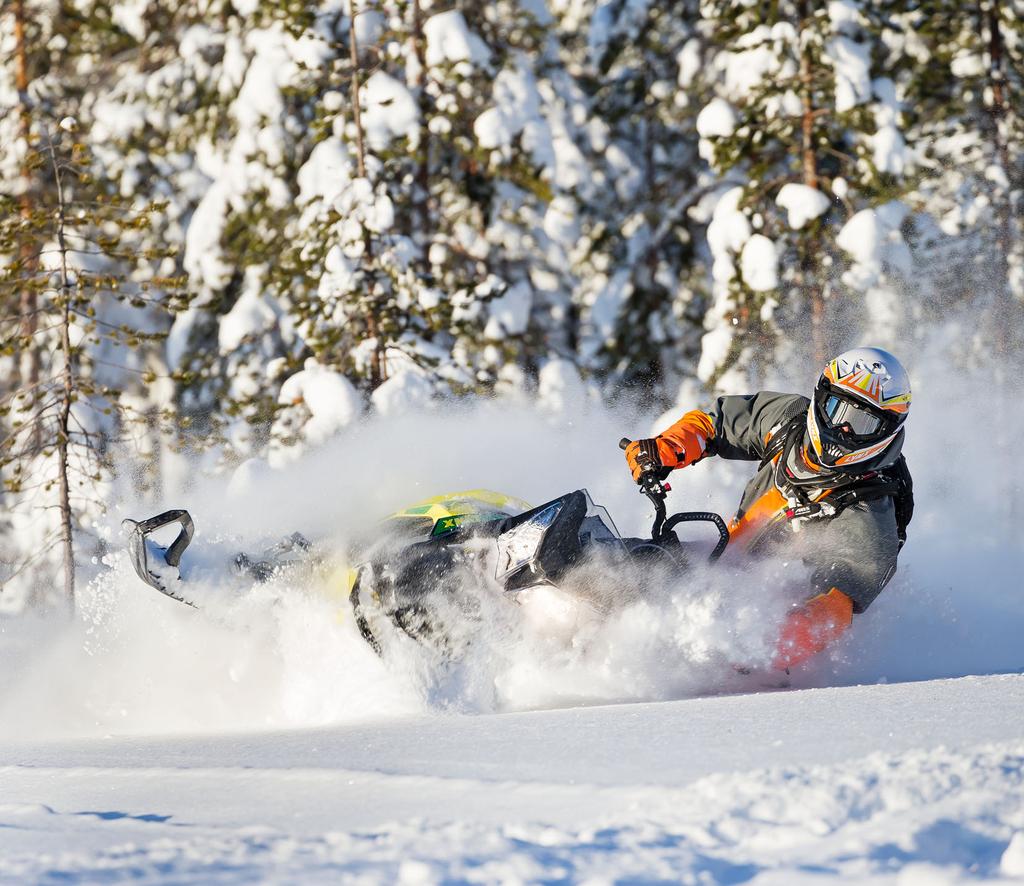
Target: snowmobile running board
(139, 532)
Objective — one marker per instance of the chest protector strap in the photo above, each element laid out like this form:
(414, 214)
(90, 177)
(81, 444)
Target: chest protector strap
(894, 481)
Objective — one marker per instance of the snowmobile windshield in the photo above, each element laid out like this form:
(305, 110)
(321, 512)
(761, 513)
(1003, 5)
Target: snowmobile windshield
(597, 525)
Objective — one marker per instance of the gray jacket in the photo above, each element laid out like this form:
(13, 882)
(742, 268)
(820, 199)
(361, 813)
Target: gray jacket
(856, 549)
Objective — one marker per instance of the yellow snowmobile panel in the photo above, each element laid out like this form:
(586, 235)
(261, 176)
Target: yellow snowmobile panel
(454, 509)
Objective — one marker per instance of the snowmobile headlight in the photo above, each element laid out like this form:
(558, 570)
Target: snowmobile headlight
(520, 545)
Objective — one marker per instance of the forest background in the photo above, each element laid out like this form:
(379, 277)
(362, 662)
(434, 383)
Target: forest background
(232, 231)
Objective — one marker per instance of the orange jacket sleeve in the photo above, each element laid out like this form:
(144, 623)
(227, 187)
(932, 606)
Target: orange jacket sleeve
(676, 447)
(816, 624)
(689, 437)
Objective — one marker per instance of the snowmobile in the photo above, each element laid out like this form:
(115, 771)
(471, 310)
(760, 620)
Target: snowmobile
(434, 556)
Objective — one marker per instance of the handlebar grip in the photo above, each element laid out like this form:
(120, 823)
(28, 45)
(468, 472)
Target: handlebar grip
(624, 442)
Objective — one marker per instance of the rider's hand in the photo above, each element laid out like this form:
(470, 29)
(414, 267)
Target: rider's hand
(680, 445)
(657, 455)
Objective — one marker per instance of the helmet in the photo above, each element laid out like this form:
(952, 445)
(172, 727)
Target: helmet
(859, 406)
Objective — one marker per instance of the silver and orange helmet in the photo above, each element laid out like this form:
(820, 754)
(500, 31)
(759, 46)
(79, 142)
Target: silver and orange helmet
(859, 406)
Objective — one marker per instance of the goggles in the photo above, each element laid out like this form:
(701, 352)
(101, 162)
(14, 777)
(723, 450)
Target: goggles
(850, 419)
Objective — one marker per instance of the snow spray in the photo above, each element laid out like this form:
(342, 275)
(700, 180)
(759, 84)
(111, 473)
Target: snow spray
(284, 655)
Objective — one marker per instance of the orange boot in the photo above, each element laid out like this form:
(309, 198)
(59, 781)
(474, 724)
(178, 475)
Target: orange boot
(816, 624)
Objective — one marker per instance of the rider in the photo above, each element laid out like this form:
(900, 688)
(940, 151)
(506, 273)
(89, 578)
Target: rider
(830, 465)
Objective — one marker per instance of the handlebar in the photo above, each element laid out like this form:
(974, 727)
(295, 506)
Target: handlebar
(657, 490)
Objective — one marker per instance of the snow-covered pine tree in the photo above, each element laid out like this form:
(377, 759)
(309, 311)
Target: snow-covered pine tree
(460, 173)
(364, 300)
(523, 150)
(967, 67)
(209, 112)
(806, 129)
(34, 398)
(367, 303)
(641, 293)
(270, 67)
(74, 252)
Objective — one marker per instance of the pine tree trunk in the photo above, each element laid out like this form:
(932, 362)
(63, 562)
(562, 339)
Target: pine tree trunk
(372, 321)
(28, 364)
(67, 392)
(357, 118)
(422, 199)
(810, 279)
(63, 439)
(997, 109)
(1003, 320)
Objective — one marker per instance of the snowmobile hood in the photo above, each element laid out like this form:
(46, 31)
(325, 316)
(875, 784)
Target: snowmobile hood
(444, 513)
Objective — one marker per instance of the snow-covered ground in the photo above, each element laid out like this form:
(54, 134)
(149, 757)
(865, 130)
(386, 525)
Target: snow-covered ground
(783, 788)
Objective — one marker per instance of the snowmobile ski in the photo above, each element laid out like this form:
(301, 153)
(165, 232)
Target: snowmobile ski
(157, 566)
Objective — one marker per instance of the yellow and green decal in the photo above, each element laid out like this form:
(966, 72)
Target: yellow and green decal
(444, 525)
